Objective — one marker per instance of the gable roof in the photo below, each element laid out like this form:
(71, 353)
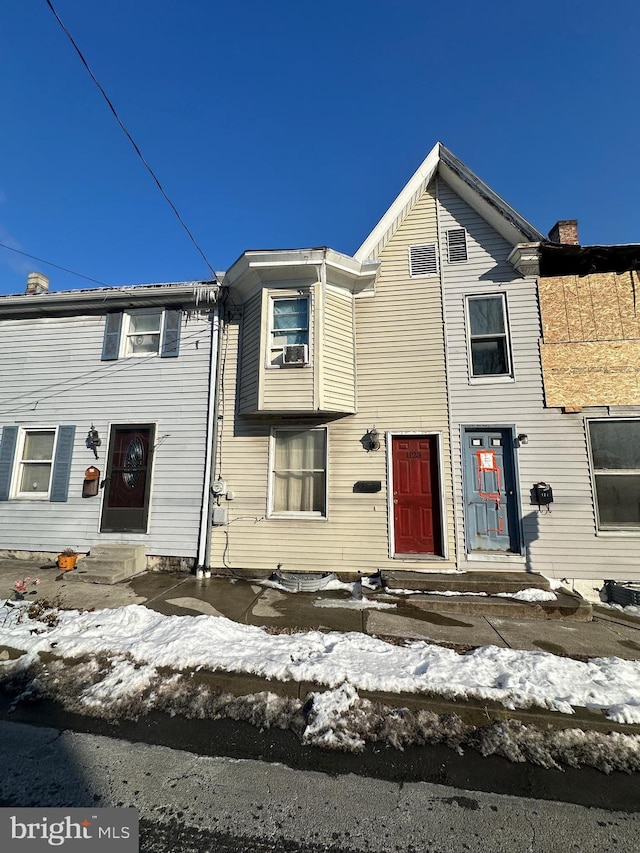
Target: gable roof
(467, 185)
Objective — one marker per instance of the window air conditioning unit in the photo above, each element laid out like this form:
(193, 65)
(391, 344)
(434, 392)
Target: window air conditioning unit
(295, 354)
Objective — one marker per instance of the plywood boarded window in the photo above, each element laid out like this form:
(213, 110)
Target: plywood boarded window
(456, 245)
(299, 472)
(423, 260)
(615, 455)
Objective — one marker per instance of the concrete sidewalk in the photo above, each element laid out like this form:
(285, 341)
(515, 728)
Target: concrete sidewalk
(473, 621)
(609, 633)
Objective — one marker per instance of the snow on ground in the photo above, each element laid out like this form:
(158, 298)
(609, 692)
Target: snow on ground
(530, 594)
(517, 679)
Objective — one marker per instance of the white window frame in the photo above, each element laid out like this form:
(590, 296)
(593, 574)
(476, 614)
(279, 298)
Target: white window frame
(126, 333)
(436, 270)
(19, 463)
(609, 529)
(306, 516)
(488, 377)
(275, 352)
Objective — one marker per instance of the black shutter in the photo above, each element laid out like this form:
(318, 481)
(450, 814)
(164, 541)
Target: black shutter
(62, 464)
(171, 333)
(111, 341)
(7, 452)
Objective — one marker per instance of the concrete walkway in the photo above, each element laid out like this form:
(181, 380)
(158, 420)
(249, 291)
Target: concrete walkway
(395, 617)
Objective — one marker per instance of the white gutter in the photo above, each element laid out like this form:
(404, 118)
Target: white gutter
(211, 438)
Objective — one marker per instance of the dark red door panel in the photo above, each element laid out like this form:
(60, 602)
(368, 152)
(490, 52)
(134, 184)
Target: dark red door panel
(416, 495)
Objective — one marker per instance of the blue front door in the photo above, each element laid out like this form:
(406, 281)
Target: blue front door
(491, 506)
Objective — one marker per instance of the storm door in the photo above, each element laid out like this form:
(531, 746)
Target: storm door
(490, 503)
(128, 479)
(417, 518)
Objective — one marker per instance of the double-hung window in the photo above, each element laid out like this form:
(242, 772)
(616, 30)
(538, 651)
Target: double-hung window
(147, 331)
(35, 463)
(289, 330)
(299, 472)
(615, 456)
(488, 337)
(142, 332)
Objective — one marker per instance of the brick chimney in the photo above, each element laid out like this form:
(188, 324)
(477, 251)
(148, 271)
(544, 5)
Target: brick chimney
(37, 282)
(565, 231)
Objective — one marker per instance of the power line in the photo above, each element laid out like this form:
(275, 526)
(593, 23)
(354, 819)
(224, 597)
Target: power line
(129, 137)
(51, 264)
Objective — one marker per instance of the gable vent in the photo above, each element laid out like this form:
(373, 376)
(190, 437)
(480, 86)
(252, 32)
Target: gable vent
(423, 260)
(457, 245)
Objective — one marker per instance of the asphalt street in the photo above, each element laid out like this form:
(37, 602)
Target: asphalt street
(189, 802)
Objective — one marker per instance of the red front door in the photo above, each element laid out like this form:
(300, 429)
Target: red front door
(416, 495)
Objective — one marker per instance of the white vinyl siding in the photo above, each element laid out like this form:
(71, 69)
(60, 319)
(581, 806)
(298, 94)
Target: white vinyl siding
(563, 542)
(61, 381)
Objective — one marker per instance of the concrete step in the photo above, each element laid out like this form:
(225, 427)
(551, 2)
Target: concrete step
(489, 582)
(567, 606)
(109, 564)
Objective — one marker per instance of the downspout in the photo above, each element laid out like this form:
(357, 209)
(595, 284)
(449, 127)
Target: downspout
(204, 538)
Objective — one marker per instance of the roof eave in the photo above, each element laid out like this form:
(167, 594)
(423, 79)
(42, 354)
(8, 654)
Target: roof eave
(69, 302)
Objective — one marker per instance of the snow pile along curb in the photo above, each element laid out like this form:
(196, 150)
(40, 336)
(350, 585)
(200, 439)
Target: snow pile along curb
(516, 679)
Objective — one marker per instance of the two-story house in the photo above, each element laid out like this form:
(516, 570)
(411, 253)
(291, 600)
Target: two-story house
(388, 410)
(360, 381)
(106, 419)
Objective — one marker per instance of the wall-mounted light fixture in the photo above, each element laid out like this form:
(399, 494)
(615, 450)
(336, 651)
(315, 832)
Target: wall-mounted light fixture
(523, 438)
(93, 441)
(372, 439)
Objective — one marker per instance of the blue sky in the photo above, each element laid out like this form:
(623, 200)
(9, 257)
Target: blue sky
(295, 124)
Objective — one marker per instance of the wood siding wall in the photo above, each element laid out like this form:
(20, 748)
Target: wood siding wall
(562, 542)
(400, 387)
(52, 374)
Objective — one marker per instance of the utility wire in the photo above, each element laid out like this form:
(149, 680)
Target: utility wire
(129, 137)
(51, 264)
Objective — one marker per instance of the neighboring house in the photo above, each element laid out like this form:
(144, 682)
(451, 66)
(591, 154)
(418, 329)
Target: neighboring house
(106, 419)
(590, 352)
